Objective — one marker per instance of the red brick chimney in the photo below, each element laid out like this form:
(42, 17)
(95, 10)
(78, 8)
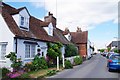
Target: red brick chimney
(79, 29)
(66, 31)
(50, 18)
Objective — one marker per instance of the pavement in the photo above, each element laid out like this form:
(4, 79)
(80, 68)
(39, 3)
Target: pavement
(96, 67)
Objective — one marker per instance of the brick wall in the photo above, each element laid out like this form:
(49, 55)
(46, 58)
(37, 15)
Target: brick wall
(82, 49)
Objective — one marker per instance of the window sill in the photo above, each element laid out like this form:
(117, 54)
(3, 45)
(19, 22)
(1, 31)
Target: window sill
(29, 58)
(2, 61)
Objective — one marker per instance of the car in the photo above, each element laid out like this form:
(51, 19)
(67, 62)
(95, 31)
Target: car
(104, 54)
(109, 54)
(114, 62)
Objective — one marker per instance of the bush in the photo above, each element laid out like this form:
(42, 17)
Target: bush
(36, 64)
(77, 60)
(16, 63)
(51, 72)
(68, 64)
(70, 50)
(29, 67)
(4, 71)
(43, 63)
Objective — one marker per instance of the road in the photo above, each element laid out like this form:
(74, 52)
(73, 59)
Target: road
(93, 68)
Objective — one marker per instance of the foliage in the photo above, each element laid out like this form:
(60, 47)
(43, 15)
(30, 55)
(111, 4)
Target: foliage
(51, 72)
(78, 60)
(16, 63)
(70, 50)
(14, 74)
(36, 64)
(101, 50)
(68, 64)
(4, 71)
(25, 75)
(116, 51)
(54, 50)
(43, 63)
(108, 49)
(29, 67)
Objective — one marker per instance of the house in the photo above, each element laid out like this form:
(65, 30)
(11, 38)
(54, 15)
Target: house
(114, 45)
(80, 39)
(25, 34)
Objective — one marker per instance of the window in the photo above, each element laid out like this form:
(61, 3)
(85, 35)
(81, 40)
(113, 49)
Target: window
(42, 53)
(22, 21)
(29, 50)
(3, 50)
(32, 50)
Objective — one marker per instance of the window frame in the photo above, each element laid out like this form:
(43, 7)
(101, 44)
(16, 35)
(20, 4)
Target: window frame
(32, 48)
(25, 22)
(1, 50)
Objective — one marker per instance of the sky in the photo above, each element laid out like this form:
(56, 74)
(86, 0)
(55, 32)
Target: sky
(99, 17)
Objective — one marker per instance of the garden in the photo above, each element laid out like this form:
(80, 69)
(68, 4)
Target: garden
(40, 66)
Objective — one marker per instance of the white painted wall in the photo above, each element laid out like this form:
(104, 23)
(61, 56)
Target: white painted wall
(16, 18)
(89, 50)
(43, 47)
(71, 59)
(6, 36)
(49, 29)
(68, 36)
(21, 50)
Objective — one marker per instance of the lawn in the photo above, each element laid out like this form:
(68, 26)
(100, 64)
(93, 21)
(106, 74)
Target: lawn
(39, 73)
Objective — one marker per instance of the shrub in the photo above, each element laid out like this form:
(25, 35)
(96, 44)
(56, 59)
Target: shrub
(36, 64)
(70, 50)
(77, 60)
(68, 64)
(5, 71)
(43, 63)
(29, 67)
(16, 63)
(51, 72)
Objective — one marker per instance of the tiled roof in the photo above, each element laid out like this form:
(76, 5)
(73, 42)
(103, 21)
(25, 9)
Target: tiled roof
(79, 37)
(59, 35)
(36, 30)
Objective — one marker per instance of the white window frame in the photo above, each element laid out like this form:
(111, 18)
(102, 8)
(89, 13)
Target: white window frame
(3, 46)
(22, 22)
(25, 22)
(30, 51)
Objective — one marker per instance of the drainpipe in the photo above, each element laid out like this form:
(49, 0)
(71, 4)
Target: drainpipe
(16, 45)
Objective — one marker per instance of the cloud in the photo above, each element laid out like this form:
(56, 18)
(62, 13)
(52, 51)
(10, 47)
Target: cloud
(85, 14)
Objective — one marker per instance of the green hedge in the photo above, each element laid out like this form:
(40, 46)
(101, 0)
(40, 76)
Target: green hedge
(4, 71)
(68, 64)
(77, 60)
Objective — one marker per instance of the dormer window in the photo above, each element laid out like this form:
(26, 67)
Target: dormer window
(22, 21)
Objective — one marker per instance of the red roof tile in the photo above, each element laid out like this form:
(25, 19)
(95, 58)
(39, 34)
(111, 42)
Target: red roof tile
(79, 37)
(36, 30)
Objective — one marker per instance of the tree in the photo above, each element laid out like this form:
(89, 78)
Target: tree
(108, 49)
(70, 50)
(116, 51)
(54, 50)
(101, 50)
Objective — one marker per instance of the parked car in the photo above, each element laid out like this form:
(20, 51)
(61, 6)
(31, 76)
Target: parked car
(109, 54)
(114, 62)
(104, 54)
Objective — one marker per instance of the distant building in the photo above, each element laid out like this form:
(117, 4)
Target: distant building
(80, 38)
(114, 45)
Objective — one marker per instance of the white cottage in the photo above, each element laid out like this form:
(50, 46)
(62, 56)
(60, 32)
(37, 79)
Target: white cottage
(24, 34)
